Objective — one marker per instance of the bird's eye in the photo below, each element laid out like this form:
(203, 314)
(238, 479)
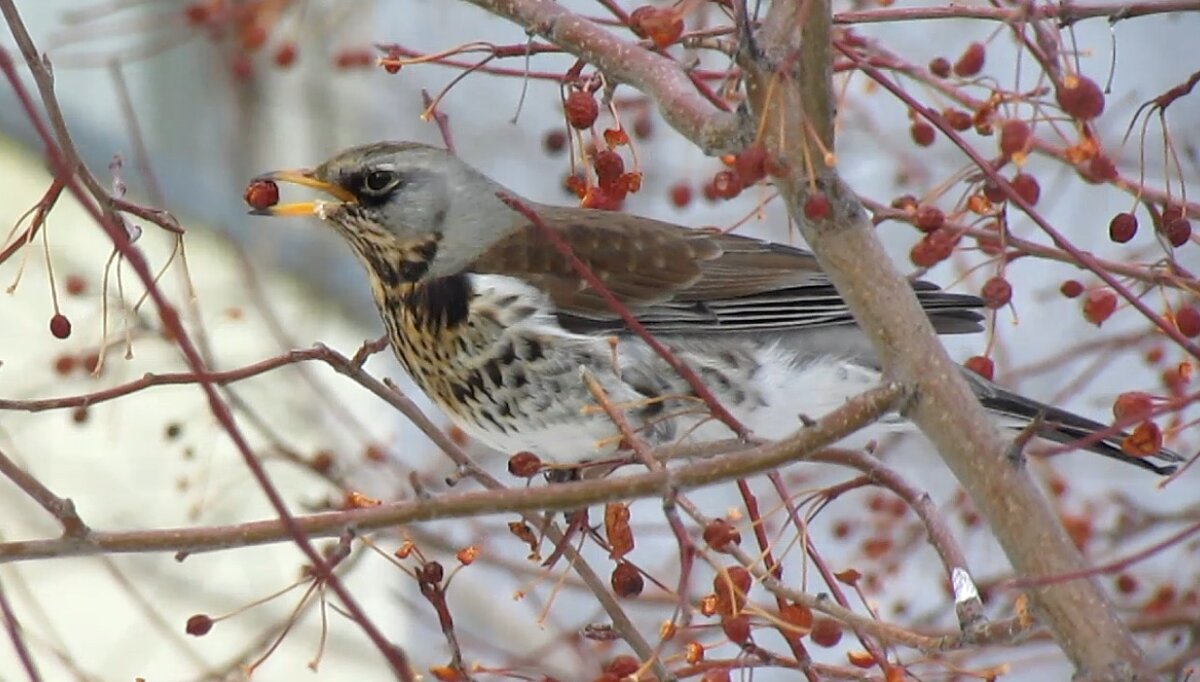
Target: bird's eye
(379, 181)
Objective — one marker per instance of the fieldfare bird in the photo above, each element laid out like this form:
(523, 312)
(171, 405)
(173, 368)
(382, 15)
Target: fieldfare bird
(495, 325)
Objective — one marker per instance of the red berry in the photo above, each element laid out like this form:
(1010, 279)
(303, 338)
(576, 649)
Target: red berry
(643, 126)
(555, 141)
(261, 194)
(1101, 169)
(981, 365)
(582, 109)
(241, 67)
(65, 364)
(1027, 187)
(524, 465)
(60, 326)
(1014, 137)
(993, 192)
(285, 55)
(727, 184)
(198, 625)
(76, 285)
(626, 580)
(1099, 305)
(197, 13)
(929, 218)
(750, 164)
(996, 292)
(623, 666)
(609, 166)
(1080, 98)
(1122, 227)
(736, 628)
(391, 60)
(1187, 320)
(826, 632)
(681, 194)
(1071, 288)
(1178, 231)
(940, 67)
(958, 119)
(922, 133)
(970, 62)
(816, 206)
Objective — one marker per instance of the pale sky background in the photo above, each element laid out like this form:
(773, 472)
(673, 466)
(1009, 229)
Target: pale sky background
(207, 137)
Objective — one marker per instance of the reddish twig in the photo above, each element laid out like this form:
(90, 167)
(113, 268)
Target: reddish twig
(66, 165)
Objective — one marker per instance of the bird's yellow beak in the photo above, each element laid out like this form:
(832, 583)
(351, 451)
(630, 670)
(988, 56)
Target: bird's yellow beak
(301, 208)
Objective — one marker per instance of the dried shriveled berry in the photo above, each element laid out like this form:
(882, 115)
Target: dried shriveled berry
(940, 67)
(662, 26)
(1187, 321)
(525, 465)
(1145, 440)
(922, 133)
(681, 194)
(1071, 288)
(626, 580)
(1027, 187)
(716, 675)
(1133, 406)
(721, 535)
(826, 632)
(1122, 227)
(1099, 305)
(816, 206)
(971, 61)
(582, 109)
(1080, 98)
(981, 365)
(996, 292)
(731, 588)
(929, 218)
(1015, 137)
(60, 326)
(198, 625)
(261, 194)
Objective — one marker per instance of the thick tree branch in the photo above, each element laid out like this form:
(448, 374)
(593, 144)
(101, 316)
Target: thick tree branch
(789, 90)
(848, 418)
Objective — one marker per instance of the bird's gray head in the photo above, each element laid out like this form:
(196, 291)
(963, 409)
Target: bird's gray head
(409, 210)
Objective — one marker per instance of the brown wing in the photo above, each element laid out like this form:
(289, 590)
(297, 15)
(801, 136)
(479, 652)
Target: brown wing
(676, 279)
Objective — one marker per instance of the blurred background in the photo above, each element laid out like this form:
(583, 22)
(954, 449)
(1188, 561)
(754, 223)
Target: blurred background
(193, 114)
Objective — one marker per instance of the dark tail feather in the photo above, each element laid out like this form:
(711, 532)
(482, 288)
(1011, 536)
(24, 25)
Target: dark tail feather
(1065, 427)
